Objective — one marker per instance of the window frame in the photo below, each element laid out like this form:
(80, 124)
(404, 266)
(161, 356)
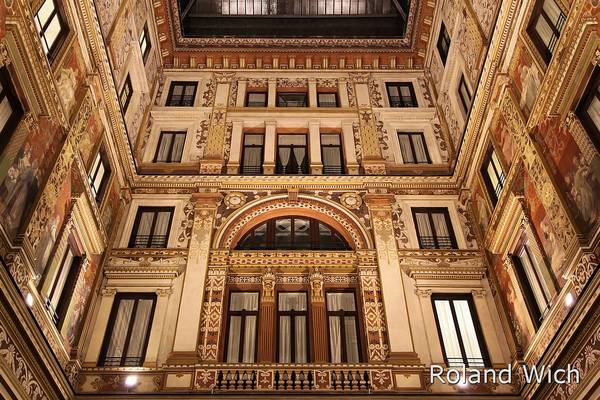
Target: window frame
(463, 83)
(278, 103)
(136, 223)
(265, 93)
(412, 146)
(476, 324)
(111, 322)
(429, 211)
(402, 104)
(181, 103)
(494, 192)
(592, 90)
(54, 49)
(145, 35)
(243, 314)
(262, 154)
(443, 39)
(101, 191)
(293, 316)
(17, 111)
(342, 314)
(340, 147)
(337, 99)
(303, 168)
(538, 12)
(126, 85)
(170, 153)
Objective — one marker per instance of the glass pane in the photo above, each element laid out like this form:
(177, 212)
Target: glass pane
(420, 148)
(250, 339)
(301, 233)
(65, 266)
(393, 91)
(253, 140)
(533, 280)
(45, 11)
(52, 31)
(283, 233)
(351, 340)
(285, 353)
(335, 339)
(178, 147)
(406, 150)
(5, 112)
(327, 99)
(243, 301)
(449, 334)
(255, 240)
(165, 146)
(544, 30)
(594, 111)
(299, 140)
(233, 342)
(468, 333)
(301, 350)
(139, 332)
(292, 301)
(340, 301)
(552, 10)
(330, 139)
(257, 99)
(116, 344)
(98, 179)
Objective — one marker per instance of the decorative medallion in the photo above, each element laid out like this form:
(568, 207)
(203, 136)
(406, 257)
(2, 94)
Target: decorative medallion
(235, 199)
(351, 201)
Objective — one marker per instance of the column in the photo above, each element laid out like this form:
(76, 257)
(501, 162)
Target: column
(212, 311)
(314, 146)
(312, 92)
(237, 138)
(241, 94)
(103, 313)
(272, 92)
(158, 323)
(349, 147)
(188, 320)
(266, 322)
(492, 341)
(343, 93)
(435, 345)
(318, 315)
(392, 283)
(270, 147)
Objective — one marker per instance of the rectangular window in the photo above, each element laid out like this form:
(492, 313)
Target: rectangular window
(292, 99)
(242, 327)
(464, 95)
(126, 93)
(252, 154)
(459, 331)
(128, 332)
(536, 292)
(401, 94)
(327, 100)
(151, 227)
(50, 26)
(182, 94)
(11, 110)
(547, 22)
(588, 110)
(170, 147)
(256, 99)
(292, 328)
(62, 288)
(344, 334)
(99, 176)
(292, 155)
(443, 43)
(434, 228)
(493, 175)
(145, 43)
(413, 148)
(331, 153)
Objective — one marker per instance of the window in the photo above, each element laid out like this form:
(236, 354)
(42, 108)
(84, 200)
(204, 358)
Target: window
(170, 147)
(434, 228)
(151, 227)
(11, 110)
(62, 288)
(99, 176)
(536, 292)
(128, 332)
(327, 99)
(443, 43)
(589, 108)
(292, 157)
(252, 154)
(331, 153)
(292, 233)
(343, 328)
(182, 94)
(254, 99)
(464, 95)
(413, 148)
(292, 327)
(493, 176)
(242, 325)
(126, 92)
(291, 99)
(546, 24)
(51, 27)
(459, 331)
(145, 43)
(401, 94)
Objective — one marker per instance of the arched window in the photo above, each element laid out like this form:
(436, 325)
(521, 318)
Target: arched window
(292, 233)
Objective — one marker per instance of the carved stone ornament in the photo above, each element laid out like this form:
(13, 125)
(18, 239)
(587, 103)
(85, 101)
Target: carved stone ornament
(235, 199)
(351, 201)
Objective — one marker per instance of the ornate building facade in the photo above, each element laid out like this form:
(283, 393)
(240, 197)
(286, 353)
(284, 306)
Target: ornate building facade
(282, 198)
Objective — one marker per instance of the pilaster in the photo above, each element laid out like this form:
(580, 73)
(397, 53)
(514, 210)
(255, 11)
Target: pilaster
(270, 147)
(320, 343)
(93, 351)
(266, 321)
(316, 165)
(349, 149)
(237, 138)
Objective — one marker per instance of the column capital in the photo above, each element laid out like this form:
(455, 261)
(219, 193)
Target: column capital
(270, 122)
(374, 200)
(206, 199)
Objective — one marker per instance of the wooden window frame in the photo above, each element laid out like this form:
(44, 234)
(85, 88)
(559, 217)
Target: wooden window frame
(293, 315)
(242, 314)
(54, 49)
(182, 102)
(429, 211)
(401, 102)
(278, 103)
(170, 154)
(591, 91)
(492, 191)
(337, 99)
(8, 91)
(443, 39)
(341, 315)
(146, 35)
(111, 322)
(340, 147)
(68, 290)
(538, 12)
(129, 86)
(138, 217)
(101, 190)
(412, 146)
(465, 104)
(259, 171)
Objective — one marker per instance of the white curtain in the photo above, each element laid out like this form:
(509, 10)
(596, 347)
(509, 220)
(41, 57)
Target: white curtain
(468, 333)
(252, 155)
(423, 225)
(439, 222)
(5, 111)
(165, 146)
(407, 155)
(448, 330)
(594, 111)
(140, 328)
(345, 302)
(340, 301)
(145, 223)
(351, 339)
(63, 272)
(119, 332)
(162, 223)
(534, 280)
(335, 339)
(239, 302)
(420, 150)
(289, 302)
(284, 155)
(178, 147)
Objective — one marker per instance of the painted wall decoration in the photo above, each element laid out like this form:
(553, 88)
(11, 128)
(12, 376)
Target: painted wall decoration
(69, 78)
(481, 207)
(88, 144)
(111, 207)
(526, 76)
(503, 139)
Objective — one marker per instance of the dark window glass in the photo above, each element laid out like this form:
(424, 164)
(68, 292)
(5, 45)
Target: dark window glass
(145, 43)
(63, 286)
(242, 327)
(11, 110)
(170, 147)
(252, 154)
(182, 94)
(588, 110)
(258, 99)
(331, 154)
(126, 93)
(151, 227)
(129, 330)
(292, 327)
(464, 95)
(344, 346)
(459, 331)
(99, 176)
(292, 99)
(443, 43)
(292, 233)
(413, 148)
(434, 228)
(401, 94)
(493, 175)
(547, 22)
(292, 155)
(327, 99)
(51, 27)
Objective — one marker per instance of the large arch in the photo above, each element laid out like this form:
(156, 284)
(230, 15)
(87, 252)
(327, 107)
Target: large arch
(254, 213)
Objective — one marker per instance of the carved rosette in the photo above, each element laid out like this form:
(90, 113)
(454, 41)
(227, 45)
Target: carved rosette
(235, 199)
(351, 201)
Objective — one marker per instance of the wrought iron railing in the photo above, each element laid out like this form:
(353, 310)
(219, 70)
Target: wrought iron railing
(122, 362)
(470, 362)
(333, 170)
(292, 169)
(150, 241)
(251, 170)
(436, 242)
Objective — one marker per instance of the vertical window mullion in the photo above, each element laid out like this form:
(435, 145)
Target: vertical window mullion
(433, 231)
(242, 335)
(459, 334)
(152, 227)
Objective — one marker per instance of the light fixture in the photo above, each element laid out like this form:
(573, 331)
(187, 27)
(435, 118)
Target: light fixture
(569, 299)
(131, 380)
(29, 300)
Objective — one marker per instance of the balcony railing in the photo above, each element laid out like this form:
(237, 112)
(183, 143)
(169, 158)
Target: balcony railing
(471, 362)
(150, 241)
(436, 242)
(123, 362)
(402, 101)
(333, 170)
(181, 101)
(251, 170)
(292, 170)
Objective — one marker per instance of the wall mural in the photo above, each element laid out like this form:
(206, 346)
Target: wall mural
(481, 206)
(526, 76)
(502, 137)
(111, 207)
(87, 145)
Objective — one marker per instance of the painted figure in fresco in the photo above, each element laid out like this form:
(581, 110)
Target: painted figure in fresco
(530, 82)
(18, 191)
(483, 214)
(66, 84)
(552, 248)
(585, 189)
